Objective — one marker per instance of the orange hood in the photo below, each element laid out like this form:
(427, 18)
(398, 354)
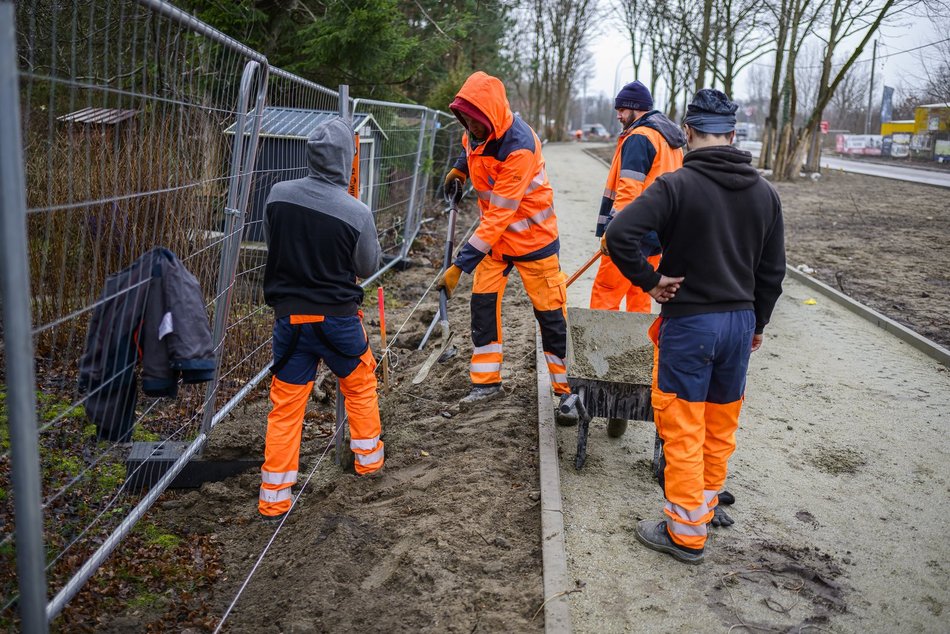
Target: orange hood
(487, 93)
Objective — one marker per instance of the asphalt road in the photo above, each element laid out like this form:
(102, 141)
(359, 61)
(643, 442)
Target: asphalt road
(912, 174)
(841, 478)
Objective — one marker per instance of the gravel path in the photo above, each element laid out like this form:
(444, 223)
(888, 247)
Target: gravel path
(841, 479)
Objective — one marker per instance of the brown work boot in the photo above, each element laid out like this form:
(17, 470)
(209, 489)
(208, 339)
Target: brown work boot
(654, 535)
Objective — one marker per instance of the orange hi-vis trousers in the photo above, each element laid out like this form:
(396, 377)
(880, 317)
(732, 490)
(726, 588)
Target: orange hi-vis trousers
(300, 343)
(545, 283)
(611, 287)
(699, 375)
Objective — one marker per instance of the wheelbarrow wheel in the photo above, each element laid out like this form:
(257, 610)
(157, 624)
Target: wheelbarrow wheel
(616, 427)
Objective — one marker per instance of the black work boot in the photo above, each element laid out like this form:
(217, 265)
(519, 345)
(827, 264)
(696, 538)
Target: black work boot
(568, 418)
(654, 535)
(483, 393)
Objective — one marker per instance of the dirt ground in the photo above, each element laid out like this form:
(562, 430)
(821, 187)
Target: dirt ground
(840, 473)
(447, 540)
(883, 242)
(842, 460)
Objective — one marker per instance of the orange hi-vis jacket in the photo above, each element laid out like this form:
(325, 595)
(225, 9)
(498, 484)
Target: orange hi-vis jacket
(515, 199)
(649, 147)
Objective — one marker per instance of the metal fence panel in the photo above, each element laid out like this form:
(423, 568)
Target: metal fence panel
(123, 112)
(144, 127)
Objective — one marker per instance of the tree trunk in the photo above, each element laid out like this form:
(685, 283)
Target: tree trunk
(703, 48)
(770, 134)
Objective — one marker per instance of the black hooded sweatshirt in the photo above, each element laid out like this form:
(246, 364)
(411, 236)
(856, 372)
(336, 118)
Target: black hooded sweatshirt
(720, 227)
(319, 237)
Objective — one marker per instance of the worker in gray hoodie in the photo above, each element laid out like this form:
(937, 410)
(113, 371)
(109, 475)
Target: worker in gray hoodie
(320, 239)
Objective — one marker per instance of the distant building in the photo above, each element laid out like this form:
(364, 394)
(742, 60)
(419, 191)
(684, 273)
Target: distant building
(926, 136)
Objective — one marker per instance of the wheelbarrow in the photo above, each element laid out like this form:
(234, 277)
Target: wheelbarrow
(610, 372)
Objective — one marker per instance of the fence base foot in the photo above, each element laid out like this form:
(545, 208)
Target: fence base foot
(149, 461)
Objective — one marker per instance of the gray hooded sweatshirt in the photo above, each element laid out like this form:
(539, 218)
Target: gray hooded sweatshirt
(320, 239)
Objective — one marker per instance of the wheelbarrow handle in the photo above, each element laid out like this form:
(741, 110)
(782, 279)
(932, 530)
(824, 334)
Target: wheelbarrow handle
(584, 267)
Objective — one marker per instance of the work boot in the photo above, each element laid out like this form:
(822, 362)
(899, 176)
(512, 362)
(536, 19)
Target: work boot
(483, 393)
(654, 535)
(568, 418)
(616, 427)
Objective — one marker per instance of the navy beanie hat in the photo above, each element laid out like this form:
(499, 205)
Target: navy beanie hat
(711, 111)
(634, 96)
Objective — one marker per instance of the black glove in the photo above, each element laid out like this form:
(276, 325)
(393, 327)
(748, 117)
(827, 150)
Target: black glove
(452, 186)
(726, 498)
(720, 518)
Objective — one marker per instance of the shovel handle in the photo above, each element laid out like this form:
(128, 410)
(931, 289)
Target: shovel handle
(584, 267)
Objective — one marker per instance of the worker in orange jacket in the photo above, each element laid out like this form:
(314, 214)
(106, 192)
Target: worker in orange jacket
(517, 229)
(650, 145)
(320, 239)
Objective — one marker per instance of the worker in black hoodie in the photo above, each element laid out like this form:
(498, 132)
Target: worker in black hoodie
(320, 239)
(720, 229)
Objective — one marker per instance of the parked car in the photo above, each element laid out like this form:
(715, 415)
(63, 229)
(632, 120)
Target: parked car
(596, 132)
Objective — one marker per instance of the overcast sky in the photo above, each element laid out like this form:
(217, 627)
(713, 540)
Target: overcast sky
(613, 68)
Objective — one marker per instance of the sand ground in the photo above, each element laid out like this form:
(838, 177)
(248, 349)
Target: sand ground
(841, 478)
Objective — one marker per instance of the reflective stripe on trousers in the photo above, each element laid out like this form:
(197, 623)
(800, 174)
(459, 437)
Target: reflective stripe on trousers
(545, 284)
(290, 392)
(700, 364)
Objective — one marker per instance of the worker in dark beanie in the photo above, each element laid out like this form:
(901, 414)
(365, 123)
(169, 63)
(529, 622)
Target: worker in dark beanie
(648, 147)
(720, 227)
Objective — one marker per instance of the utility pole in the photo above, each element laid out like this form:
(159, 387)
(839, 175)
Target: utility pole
(584, 104)
(867, 121)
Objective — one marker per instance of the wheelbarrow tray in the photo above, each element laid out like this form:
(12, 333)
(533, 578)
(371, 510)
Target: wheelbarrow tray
(610, 362)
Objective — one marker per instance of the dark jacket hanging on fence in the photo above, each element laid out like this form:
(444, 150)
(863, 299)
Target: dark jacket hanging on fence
(152, 310)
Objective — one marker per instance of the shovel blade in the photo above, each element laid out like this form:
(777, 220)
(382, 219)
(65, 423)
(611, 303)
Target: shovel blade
(423, 371)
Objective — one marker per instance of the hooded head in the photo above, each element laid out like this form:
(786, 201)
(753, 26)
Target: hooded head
(486, 95)
(330, 151)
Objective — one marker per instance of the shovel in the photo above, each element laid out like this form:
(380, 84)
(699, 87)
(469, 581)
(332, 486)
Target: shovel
(583, 268)
(446, 350)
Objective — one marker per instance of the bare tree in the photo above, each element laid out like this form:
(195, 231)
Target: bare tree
(846, 18)
(744, 38)
(554, 50)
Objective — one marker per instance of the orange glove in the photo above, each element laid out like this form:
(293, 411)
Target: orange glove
(449, 279)
(452, 185)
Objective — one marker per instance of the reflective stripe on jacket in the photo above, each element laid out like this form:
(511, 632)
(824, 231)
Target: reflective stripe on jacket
(515, 199)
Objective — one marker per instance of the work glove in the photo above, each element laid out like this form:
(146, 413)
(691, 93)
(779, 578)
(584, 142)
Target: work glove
(449, 279)
(603, 245)
(720, 518)
(452, 185)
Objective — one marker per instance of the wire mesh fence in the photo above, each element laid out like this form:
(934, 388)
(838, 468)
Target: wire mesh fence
(147, 134)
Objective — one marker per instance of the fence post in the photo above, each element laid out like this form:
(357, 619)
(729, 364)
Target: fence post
(242, 163)
(409, 232)
(18, 341)
(345, 112)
